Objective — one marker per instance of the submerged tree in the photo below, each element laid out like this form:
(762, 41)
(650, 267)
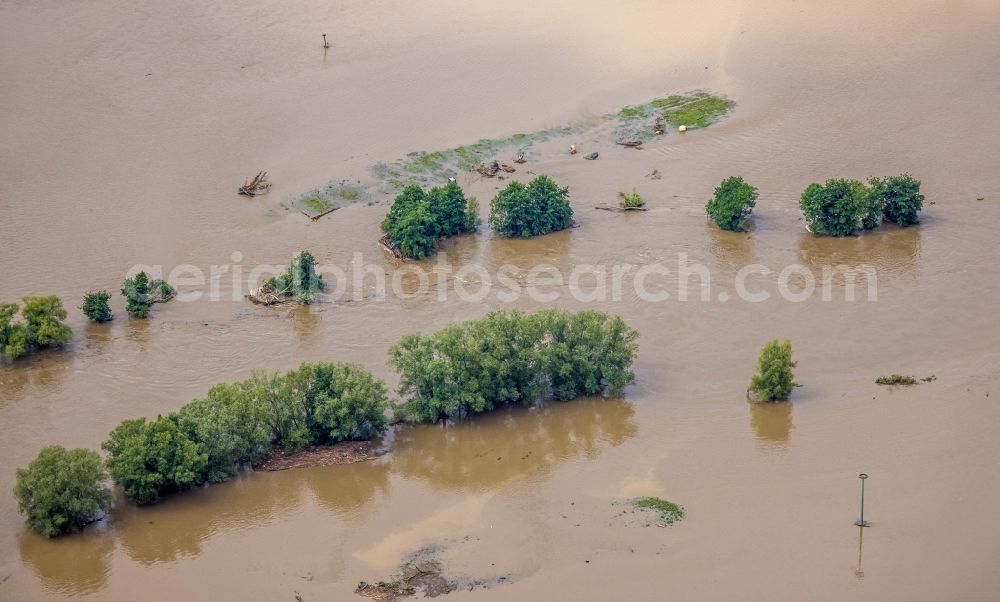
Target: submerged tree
(300, 280)
(538, 208)
(773, 381)
(141, 293)
(507, 358)
(95, 306)
(62, 490)
(899, 197)
(150, 459)
(840, 207)
(418, 219)
(42, 326)
(732, 203)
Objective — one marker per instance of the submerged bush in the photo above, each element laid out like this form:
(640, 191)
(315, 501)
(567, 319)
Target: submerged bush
(62, 490)
(896, 379)
(538, 208)
(630, 200)
(95, 306)
(732, 204)
(900, 198)
(839, 207)
(141, 292)
(668, 511)
(300, 280)
(773, 381)
(42, 326)
(507, 358)
(418, 219)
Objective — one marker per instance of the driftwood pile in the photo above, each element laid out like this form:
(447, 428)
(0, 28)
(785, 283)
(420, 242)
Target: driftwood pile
(519, 157)
(496, 167)
(255, 186)
(265, 296)
(658, 127)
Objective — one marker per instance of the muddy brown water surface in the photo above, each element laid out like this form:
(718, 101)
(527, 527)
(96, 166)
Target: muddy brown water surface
(127, 127)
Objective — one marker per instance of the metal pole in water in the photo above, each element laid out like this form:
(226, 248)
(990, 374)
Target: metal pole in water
(861, 521)
(325, 43)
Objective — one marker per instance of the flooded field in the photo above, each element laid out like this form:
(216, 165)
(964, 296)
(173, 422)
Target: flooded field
(127, 128)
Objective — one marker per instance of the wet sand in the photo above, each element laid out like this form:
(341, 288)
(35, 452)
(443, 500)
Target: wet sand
(103, 166)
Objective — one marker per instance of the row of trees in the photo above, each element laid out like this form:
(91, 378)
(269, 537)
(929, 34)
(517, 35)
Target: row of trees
(208, 439)
(41, 324)
(839, 207)
(507, 358)
(843, 207)
(417, 218)
(464, 369)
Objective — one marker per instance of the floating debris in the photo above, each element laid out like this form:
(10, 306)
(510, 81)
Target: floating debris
(389, 247)
(519, 157)
(572, 149)
(258, 185)
(265, 296)
(658, 127)
(507, 168)
(591, 156)
(654, 175)
(630, 143)
(489, 171)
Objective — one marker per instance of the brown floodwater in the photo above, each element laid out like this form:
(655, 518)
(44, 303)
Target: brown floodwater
(128, 125)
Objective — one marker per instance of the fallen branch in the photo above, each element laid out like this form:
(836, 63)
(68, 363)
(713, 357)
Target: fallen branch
(258, 185)
(318, 215)
(614, 208)
(390, 248)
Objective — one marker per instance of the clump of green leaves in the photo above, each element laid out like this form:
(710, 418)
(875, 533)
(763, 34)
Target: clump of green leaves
(95, 306)
(42, 326)
(141, 293)
(300, 280)
(417, 219)
(899, 197)
(668, 512)
(630, 200)
(896, 379)
(773, 381)
(512, 358)
(62, 490)
(524, 211)
(840, 207)
(209, 438)
(732, 203)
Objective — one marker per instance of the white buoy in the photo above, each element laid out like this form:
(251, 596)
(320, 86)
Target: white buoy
(682, 128)
(572, 149)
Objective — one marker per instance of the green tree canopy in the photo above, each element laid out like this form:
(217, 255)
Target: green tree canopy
(62, 490)
(773, 380)
(732, 203)
(95, 306)
(300, 280)
(538, 208)
(417, 219)
(150, 459)
(507, 358)
(840, 207)
(42, 326)
(141, 292)
(900, 198)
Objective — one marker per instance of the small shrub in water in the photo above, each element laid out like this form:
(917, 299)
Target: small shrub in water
(773, 381)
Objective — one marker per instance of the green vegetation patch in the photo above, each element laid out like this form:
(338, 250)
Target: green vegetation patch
(669, 512)
(896, 379)
(318, 205)
(694, 110)
(429, 168)
(326, 198)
